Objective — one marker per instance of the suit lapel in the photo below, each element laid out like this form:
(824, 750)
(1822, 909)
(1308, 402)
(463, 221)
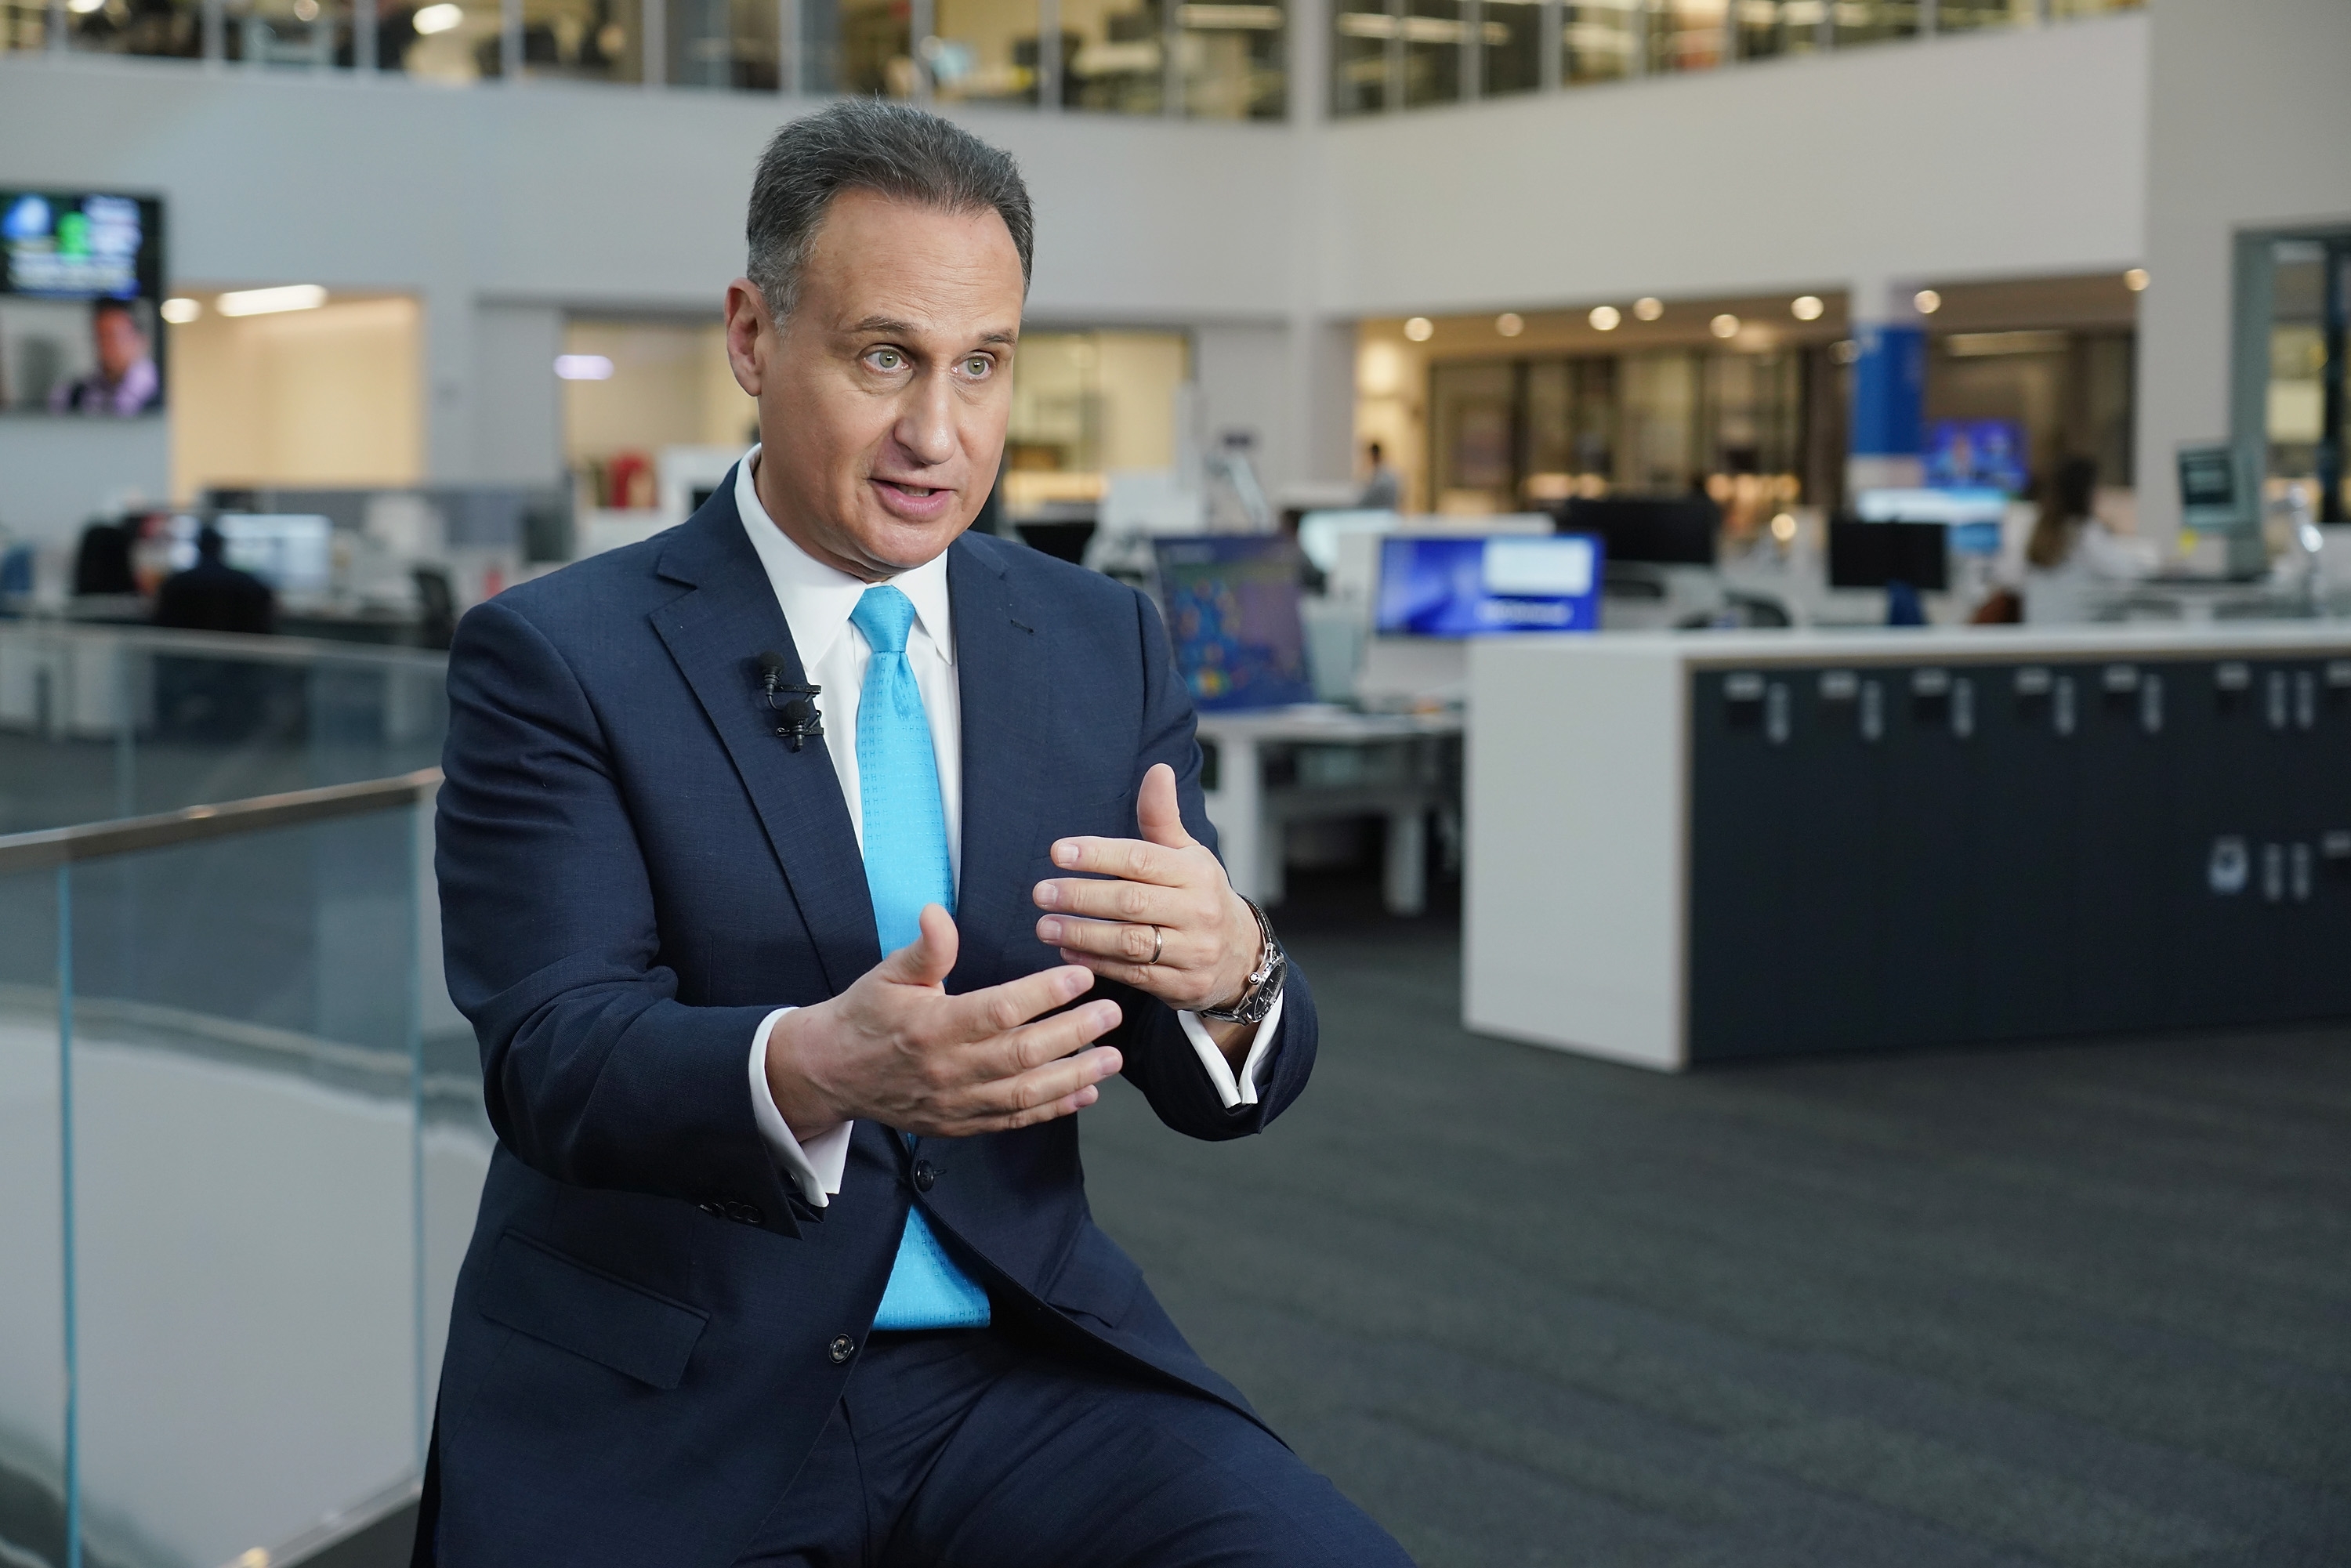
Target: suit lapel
(715, 633)
(1000, 670)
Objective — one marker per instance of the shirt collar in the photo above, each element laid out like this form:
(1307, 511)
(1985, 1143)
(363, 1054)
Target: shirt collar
(817, 600)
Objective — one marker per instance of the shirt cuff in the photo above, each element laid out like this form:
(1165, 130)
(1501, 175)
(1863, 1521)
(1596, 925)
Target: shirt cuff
(1213, 1058)
(814, 1164)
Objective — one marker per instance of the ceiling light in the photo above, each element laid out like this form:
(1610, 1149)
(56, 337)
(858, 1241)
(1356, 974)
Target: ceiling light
(1844, 352)
(1724, 326)
(180, 310)
(1605, 317)
(2134, 279)
(264, 301)
(1420, 329)
(84, 7)
(1928, 302)
(583, 367)
(1509, 324)
(1784, 527)
(1806, 307)
(1648, 308)
(438, 18)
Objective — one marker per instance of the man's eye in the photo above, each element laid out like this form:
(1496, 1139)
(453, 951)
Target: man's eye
(886, 358)
(977, 365)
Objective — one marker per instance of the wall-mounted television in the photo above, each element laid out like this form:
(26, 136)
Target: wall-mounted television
(81, 292)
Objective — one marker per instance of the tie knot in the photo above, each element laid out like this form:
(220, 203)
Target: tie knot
(884, 615)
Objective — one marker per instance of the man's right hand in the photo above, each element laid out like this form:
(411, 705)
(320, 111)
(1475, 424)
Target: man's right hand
(894, 1048)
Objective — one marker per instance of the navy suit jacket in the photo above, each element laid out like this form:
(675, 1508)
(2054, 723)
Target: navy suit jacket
(652, 1325)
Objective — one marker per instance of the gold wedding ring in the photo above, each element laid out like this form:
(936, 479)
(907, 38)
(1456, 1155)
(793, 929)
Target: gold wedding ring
(1158, 944)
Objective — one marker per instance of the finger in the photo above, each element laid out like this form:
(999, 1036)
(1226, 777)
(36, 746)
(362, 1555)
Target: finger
(1121, 900)
(1047, 1041)
(1041, 1093)
(1130, 858)
(928, 958)
(1127, 940)
(1157, 811)
(999, 1009)
(1142, 977)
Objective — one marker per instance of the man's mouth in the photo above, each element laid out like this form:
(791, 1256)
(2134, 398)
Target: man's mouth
(918, 492)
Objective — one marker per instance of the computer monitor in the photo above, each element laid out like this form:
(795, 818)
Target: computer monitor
(293, 554)
(2214, 490)
(1489, 587)
(1660, 530)
(1872, 555)
(1231, 601)
(81, 294)
(1973, 513)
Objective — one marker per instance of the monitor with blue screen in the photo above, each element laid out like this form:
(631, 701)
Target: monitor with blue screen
(1232, 613)
(1489, 587)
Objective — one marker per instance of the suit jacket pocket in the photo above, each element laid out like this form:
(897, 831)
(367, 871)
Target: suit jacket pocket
(538, 1290)
(1098, 1280)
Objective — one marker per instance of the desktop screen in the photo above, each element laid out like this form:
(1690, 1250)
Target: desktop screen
(1965, 453)
(1232, 613)
(81, 281)
(1973, 514)
(1488, 587)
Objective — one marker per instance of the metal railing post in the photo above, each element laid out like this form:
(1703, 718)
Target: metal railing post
(65, 1213)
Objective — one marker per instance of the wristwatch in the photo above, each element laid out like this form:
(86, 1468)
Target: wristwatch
(1264, 988)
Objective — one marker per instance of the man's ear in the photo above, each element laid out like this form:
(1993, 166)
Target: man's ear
(746, 332)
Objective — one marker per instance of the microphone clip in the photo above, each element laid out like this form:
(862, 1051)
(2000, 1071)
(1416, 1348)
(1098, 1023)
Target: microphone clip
(797, 718)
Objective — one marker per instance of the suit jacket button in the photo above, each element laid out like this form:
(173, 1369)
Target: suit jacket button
(744, 1213)
(716, 1211)
(924, 1174)
(842, 1348)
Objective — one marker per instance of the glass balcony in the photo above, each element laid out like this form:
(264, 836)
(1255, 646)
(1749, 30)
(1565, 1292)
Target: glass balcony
(101, 723)
(1115, 55)
(241, 1140)
(1977, 15)
(1600, 43)
(1766, 29)
(1873, 21)
(1361, 32)
(1511, 61)
(161, 28)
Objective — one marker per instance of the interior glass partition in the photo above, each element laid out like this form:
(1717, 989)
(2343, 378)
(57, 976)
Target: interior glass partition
(858, 47)
(1600, 42)
(1872, 21)
(1509, 58)
(1686, 35)
(1231, 57)
(1975, 16)
(983, 51)
(722, 44)
(161, 28)
(249, 1152)
(1361, 31)
(1115, 55)
(1769, 29)
(1436, 34)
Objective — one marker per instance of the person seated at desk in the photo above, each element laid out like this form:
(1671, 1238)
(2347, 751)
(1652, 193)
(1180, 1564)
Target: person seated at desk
(2073, 561)
(213, 596)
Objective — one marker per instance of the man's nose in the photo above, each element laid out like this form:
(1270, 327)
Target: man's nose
(925, 428)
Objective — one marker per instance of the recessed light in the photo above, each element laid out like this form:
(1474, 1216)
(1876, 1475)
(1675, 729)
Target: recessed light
(1928, 302)
(440, 18)
(583, 367)
(1420, 329)
(1509, 324)
(1605, 317)
(267, 301)
(180, 310)
(1784, 527)
(1806, 307)
(1724, 326)
(2134, 279)
(1648, 308)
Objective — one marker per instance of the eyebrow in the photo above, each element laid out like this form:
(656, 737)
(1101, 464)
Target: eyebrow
(896, 327)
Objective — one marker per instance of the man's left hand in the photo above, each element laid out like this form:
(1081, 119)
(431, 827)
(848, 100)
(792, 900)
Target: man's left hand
(1169, 924)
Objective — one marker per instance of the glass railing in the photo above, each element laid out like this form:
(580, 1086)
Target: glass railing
(241, 1142)
(99, 721)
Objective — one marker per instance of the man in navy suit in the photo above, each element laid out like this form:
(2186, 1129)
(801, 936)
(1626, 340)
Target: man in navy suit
(803, 871)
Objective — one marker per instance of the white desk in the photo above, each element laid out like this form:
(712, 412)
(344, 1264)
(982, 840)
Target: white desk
(1326, 762)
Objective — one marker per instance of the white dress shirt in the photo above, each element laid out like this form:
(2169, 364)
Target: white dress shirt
(816, 601)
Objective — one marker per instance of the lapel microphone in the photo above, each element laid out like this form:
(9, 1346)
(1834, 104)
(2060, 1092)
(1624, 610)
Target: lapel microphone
(797, 715)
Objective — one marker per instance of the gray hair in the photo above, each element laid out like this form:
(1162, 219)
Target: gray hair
(867, 144)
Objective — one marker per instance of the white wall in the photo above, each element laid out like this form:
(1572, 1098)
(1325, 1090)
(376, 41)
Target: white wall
(56, 472)
(2250, 131)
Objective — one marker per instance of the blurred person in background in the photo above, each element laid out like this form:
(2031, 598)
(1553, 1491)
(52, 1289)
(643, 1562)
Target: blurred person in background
(1383, 491)
(2073, 562)
(125, 380)
(213, 596)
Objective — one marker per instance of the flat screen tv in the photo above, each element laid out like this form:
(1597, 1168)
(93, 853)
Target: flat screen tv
(81, 289)
(1489, 587)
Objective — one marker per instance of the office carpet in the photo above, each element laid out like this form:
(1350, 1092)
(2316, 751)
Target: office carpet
(2082, 1304)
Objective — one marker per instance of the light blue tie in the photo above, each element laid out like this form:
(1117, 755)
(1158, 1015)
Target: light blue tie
(906, 867)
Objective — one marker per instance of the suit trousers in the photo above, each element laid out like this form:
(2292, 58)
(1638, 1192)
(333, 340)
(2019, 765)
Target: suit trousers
(991, 1448)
